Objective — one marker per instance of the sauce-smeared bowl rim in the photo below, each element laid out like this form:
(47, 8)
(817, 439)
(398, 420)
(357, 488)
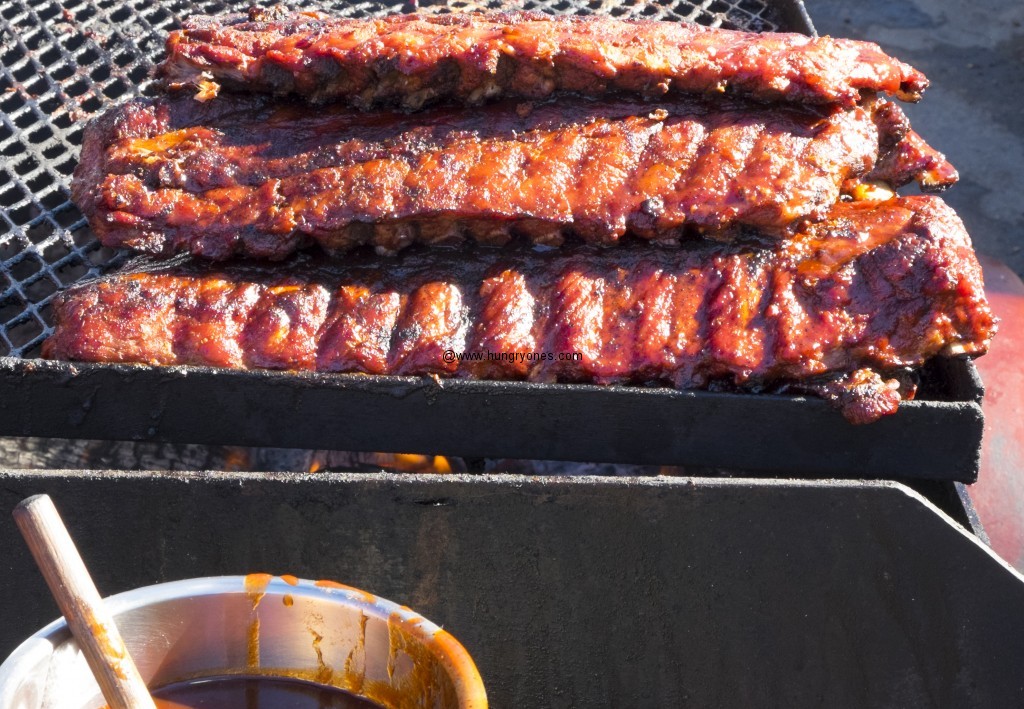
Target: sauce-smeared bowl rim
(442, 645)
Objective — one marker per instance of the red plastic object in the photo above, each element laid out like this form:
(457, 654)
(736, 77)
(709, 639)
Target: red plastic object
(999, 493)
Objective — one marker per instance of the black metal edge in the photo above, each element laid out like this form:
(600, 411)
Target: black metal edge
(794, 18)
(970, 514)
(954, 500)
(959, 378)
(975, 386)
(788, 436)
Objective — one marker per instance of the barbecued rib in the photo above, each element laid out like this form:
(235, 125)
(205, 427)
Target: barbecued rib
(409, 60)
(253, 176)
(915, 160)
(839, 309)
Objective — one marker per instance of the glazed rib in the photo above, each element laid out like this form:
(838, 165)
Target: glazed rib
(913, 160)
(838, 309)
(257, 177)
(410, 60)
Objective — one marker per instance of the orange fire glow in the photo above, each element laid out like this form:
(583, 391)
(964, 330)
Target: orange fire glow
(413, 463)
(398, 462)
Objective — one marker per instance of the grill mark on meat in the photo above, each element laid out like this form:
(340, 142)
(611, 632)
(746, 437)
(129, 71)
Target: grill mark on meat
(432, 322)
(735, 310)
(356, 335)
(652, 328)
(282, 327)
(574, 324)
(411, 60)
(212, 320)
(874, 287)
(256, 177)
(506, 325)
(694, 291)
(622, 305)
(710, 189)
(605, 169)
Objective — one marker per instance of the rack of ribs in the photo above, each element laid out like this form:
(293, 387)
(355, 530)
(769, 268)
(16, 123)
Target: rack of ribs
(840, 309)
(411, 60)
(259, 177)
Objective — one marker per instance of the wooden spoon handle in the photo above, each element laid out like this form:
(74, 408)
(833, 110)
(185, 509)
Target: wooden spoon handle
(79, 601)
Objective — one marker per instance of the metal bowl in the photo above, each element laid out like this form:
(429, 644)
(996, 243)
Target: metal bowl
(322, 632)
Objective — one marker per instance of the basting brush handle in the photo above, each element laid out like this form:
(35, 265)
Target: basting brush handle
(76, 595)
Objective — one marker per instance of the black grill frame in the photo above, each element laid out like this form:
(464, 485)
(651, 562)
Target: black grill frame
(62, 61)
(705, 432)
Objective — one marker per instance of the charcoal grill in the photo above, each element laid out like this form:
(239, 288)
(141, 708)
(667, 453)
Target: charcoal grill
(62, 61)
(589, 592)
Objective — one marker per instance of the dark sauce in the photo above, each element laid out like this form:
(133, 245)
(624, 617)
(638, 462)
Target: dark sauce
(253, 692)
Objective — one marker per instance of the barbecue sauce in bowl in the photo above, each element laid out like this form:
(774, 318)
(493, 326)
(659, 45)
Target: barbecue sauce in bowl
(255, 692)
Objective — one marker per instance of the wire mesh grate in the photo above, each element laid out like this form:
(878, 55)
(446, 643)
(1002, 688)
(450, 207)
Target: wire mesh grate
(63, 62)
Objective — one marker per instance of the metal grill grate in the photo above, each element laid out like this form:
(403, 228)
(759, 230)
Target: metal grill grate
(62, 62)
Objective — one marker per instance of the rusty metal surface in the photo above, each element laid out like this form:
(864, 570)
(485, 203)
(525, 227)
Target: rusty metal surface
(595, 592)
